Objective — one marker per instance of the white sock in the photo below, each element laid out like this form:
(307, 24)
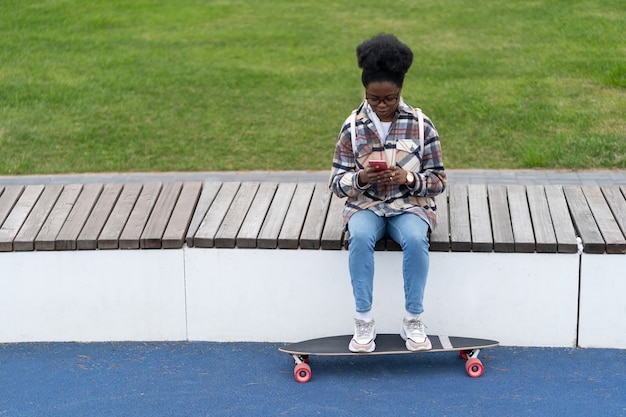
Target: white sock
(365, 316)
(411, 316)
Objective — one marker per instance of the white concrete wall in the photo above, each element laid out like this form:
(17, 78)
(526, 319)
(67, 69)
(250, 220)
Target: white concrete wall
(603, 301)
(520, 299)
(267, 295)
(92, 296)
(287, 295)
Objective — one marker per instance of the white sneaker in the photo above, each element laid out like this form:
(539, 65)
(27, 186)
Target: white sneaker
(364, 335)
(413, 331)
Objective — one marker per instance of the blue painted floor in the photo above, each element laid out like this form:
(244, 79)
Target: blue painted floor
(254, 379)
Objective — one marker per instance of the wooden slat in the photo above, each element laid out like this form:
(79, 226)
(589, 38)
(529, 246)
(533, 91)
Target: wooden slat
(289, 237)
(209, 192)
(8, 199)
(311, 235)
(88, 237)
(541, 219)
(268, 236)
(251, 227)
(564, 231)
(617, 202)
(174, 236)
(623, 190)
(500, 219)
(205, 236)
(110, 235)
(332, 235)
(160, 216)
(14, 221)
(226, 236)
(66, 239)
(440, 237)
(583, 220)
(480, 222)
(46, 237)
(460, 232)
(613, 237)
(25, 239)
(520, 219)
(131, 235)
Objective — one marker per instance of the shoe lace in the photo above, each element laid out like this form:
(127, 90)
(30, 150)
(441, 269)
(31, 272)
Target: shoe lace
(363, 328)
(416, 325)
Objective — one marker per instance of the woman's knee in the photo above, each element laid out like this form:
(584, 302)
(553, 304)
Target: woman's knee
(365, 227)
(362, 236)
(411, 234)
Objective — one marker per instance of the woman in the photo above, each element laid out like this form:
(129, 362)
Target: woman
(396, 200)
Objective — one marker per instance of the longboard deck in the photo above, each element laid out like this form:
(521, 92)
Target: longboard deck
(385, 344)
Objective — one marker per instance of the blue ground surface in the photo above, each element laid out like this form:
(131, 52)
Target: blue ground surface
(254, 379)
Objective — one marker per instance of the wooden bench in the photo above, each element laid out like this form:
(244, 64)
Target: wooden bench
(477, 218)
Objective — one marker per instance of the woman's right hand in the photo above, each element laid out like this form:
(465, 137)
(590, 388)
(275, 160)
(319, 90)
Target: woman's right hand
(371, 174)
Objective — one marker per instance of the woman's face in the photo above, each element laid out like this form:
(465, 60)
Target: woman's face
(384, 98)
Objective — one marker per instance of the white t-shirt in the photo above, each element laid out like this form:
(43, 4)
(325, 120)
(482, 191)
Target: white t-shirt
(385, 127)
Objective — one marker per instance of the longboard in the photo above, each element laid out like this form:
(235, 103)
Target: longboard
(386, 344)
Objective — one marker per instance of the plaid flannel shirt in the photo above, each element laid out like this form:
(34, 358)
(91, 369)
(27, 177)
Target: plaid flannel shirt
(403, 139)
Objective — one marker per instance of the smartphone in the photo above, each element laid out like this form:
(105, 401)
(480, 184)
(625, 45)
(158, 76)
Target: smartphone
(380, 164)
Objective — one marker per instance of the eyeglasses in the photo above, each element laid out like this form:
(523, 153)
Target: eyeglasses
(375, 101)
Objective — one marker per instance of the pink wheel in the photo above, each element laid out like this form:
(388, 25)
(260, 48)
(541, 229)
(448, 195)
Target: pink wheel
(463, 355)
(474, 367)
(302, 373)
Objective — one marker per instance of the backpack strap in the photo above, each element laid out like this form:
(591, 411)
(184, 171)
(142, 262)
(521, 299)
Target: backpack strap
(353, 130)
(420, 122)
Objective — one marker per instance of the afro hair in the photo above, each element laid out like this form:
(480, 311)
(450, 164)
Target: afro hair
(383, 58)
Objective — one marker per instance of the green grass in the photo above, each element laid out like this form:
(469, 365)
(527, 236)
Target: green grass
(189, 85)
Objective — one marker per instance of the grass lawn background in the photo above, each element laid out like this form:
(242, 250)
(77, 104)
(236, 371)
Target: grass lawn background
(191, 85)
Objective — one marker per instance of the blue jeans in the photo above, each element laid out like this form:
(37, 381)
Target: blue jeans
(411, 232)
